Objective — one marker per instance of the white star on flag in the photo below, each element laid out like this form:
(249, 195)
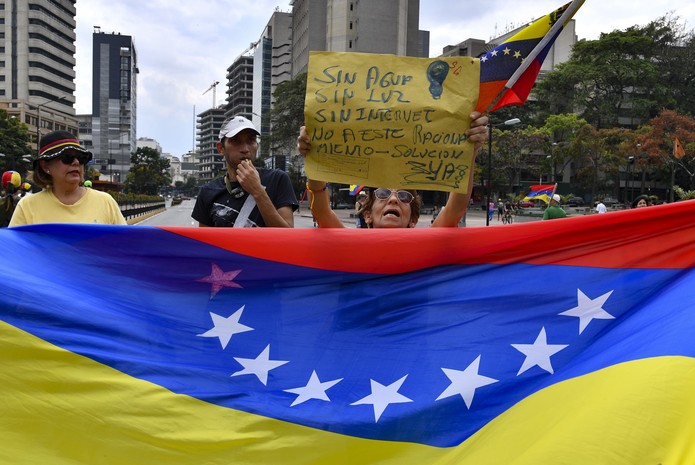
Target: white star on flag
(588, 309)
(219, 279)
(314, 389)
(538, 353)
(382, 396)
(225, 328)
(465, 382)
(259, 366)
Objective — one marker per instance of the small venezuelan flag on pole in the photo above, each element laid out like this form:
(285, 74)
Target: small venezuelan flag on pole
(508, 72)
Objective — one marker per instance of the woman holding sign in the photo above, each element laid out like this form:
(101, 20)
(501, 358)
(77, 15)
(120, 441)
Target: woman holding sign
(393, 208)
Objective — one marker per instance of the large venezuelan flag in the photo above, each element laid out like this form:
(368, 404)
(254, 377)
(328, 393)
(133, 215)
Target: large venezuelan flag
(140, 345)
(512, 67)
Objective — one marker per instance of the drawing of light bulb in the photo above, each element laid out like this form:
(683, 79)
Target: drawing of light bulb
(436, 73)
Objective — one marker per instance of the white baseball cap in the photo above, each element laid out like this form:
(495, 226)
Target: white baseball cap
(235, 125)
(556, 198)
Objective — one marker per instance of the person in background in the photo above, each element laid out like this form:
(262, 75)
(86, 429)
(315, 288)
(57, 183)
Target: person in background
(435, 213)
(359, 209)
(26, 189)
(246, 196)
(390, 207)
(11, 181)
(59, 170)
(641, 201)
(600, 207)
(490, 211)
(554, 210)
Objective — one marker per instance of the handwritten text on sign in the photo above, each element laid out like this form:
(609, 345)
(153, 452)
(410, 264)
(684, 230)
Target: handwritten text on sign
(385, 120)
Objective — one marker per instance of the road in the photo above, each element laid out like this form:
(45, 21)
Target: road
(180, 215)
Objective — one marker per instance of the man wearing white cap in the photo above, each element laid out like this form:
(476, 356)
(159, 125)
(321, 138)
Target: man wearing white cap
(554, 210)
(246, 196)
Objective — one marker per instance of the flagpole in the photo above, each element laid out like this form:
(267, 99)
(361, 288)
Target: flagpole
(553, 193)
(568, 13)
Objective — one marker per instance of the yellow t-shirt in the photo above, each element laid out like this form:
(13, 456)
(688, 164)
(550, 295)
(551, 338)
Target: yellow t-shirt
(94, 207)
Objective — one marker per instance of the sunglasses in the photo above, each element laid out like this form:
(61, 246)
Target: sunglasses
(403, 196)
(68, 157)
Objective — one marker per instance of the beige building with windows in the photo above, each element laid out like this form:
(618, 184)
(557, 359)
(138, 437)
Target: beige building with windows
(384, 26)
(37, 64)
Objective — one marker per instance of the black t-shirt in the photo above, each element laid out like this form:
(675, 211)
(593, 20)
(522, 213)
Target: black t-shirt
(215, 206)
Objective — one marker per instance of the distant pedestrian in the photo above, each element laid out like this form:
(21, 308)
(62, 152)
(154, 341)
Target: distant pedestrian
(641, 201)
(600, 207)
(9, 197)
(554, 210)
(490, 211)
(435, 212)
(359, 209)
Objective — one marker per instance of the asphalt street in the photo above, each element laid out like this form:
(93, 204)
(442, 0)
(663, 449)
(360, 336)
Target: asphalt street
(180, 215)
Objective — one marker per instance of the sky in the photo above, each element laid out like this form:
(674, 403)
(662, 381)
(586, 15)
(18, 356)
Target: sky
(183, 47)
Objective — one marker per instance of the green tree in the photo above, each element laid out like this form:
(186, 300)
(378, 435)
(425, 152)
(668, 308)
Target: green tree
(14, 145)
(190, 187)
(561, 130)
(149, 172)
(621, 79)
(286, 117)
(656, 143)
(512, 153)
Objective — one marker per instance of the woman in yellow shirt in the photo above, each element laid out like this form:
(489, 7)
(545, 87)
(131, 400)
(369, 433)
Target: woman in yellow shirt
(59, 170)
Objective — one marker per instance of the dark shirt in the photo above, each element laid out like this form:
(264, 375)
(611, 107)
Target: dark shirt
(215, 206)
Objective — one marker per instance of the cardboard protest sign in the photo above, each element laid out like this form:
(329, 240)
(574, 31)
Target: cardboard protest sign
(386, 120)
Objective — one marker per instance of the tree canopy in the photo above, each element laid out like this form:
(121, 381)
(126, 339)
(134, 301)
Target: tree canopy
(14, 145)
(149, 172)
(625, 77)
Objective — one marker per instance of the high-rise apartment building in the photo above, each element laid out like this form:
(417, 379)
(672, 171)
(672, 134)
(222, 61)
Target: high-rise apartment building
(239, 99)
(272, 65)
(384, 26)
(37, 64)
(210, 163)
(114, 103)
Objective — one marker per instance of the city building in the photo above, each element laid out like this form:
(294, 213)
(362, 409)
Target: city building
(240, 77)
(174, 168)
(386, 26)
(189, 165)
(37, 57)
(114, 103)
(272, 65)
(147, 142)
(210, 163)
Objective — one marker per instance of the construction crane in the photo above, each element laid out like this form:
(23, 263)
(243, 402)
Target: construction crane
(214, 92)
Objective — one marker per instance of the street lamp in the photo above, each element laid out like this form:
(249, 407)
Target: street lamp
(628, 184)
(509, 122)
